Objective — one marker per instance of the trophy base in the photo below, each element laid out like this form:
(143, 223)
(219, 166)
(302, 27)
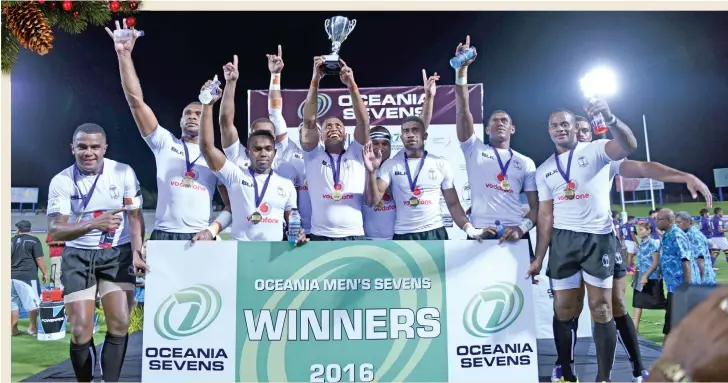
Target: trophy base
(331, 64)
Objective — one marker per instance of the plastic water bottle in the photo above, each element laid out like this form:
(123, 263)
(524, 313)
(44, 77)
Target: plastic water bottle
(499, 229)
(207, 93)
(126, 34)
(294, 225)
(462, 57)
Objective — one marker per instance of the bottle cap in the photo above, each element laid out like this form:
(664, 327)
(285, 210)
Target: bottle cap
(497, 222)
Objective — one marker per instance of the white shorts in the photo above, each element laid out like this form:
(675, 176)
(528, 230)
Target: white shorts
(574, 282)
(630, 246)
(25, 294)
(720, 243)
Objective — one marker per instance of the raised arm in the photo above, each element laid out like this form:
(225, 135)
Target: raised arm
(214, 157)
(275, 98)
(361, 131)
(310, 132)
(660, 172)
(228, 131)
(375, 186)
(463, 117)
(430, 84)
(62, 230)
(143, 115)
(624, 142)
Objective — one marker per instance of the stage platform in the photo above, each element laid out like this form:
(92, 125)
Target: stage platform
(586, 362)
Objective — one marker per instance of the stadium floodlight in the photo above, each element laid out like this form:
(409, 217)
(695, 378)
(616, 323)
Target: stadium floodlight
(599, 82)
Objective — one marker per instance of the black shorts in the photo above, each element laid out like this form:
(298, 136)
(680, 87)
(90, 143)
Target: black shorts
(620, 260)
(159, 235)
(652, 296)
(439, 234)
(314, 237)
(82, 268)
(668, 315)
(525, 236)
(571, 252)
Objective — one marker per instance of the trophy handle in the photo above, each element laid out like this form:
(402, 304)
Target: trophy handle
(352, 24)
(327, 24)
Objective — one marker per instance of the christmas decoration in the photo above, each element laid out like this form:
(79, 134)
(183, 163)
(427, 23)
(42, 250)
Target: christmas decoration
(131, 21)
(31, 24)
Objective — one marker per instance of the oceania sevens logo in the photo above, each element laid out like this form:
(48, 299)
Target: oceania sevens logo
(493, 309)
(187, 312)
(323, 104)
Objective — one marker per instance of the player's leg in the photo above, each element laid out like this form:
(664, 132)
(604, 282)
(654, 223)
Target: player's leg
(557, 373)
(626, 331)
(29, 294)
(15, 304)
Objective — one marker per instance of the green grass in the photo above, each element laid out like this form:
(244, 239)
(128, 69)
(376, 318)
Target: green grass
(29, 356)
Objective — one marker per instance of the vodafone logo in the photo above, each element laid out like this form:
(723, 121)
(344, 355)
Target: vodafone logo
(265, 209)
(422, 202)
(385, 204)
(576, 197)
(178, 184)
(343, 197)
(497, 187)
(193, 174)
(385, 208)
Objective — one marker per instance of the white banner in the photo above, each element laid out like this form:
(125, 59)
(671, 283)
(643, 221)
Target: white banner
(23, 195)
(638, 184)
(721, 177)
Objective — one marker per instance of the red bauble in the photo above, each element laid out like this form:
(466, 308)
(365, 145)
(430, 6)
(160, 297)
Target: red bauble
(133, 4)
(114, 6)
(131, 21)
(75, 14)
(41, 1)
(52, 4)
(67, 6)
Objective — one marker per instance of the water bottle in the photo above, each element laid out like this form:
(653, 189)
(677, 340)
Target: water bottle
(499, 229)
(598, 123)
(126, 34)
(294, 225)
(462, 57)
(207, 93)
(107, 237)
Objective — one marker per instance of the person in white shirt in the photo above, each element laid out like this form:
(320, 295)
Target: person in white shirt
(379, 219)
(574, 223)
(95, 207)
(335, 175)
(417, 178)
(185, 184)
(506, 173)
(260, 199)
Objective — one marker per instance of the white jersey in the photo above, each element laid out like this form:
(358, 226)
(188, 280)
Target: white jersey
(490, 202)
(589, 211)
(330, 218)
(379, 219)
(67, 191)
(436, 175)
(288, 163)
(181, 209)
(280, 196)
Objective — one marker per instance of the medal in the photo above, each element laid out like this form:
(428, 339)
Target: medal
(188, 178)
(256, 217)
(336, 173)
(85, 198)
(413, 202)
(569, 190)
(502, 176)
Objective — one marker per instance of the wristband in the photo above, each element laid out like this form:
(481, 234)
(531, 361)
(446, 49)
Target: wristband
(461, 80)
(275, 81)
(224, 220)
(470, 230)
(612, 121)
(314, 84)
(526, 225)
(353, 88)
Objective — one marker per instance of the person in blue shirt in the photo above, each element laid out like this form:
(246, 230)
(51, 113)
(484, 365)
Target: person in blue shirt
(699, 247)
(648, 292)
(677, 261)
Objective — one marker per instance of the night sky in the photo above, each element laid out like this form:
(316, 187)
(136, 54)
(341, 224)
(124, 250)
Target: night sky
(672, 67)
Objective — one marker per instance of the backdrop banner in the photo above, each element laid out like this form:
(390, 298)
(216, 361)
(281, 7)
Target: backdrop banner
(388, 106)
(361, 311)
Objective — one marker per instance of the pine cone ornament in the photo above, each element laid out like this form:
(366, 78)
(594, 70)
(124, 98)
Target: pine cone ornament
(30, 27)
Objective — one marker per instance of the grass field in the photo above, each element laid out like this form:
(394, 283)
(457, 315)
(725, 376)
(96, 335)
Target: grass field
(28, 356)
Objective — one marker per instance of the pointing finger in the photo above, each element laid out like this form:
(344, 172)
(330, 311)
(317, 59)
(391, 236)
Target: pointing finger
(424, 76)
(235, 61)
(467, 40)
(280, 51)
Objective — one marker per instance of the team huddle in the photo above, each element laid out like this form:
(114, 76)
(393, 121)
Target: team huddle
(343, 193)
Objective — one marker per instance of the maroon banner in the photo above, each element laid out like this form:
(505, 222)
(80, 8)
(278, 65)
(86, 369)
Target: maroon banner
(386, 105)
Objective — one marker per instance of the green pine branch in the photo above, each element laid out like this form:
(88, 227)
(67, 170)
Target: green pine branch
(10, 48)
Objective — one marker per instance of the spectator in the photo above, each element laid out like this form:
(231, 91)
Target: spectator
(55, 248)
(26, 258)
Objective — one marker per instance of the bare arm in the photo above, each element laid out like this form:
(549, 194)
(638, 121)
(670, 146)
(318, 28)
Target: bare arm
(375, 189)
(61, 230)
(361, 131)
(310, 133)
(228, 131)
(213, 156)
(455, 208)
(624, 142)
(463, 117)
(687, 272)
(136, 226)
(653, 170)
(532, 197)
(544, 227)
(275, 98)
(143, 115)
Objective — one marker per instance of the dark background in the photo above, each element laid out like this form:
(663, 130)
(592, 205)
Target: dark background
(672, 67)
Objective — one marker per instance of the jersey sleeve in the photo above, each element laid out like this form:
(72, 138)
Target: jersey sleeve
(132, 190)
(614, 168)
(600, 152)
(230, 174)
(159, 139)
(384, 173)
(292, 196)
(310, 156)
(468, 146)
(448, 176)
(544, 192)
(59, 196)
(236, 152)
(529, 181)
(356, 150)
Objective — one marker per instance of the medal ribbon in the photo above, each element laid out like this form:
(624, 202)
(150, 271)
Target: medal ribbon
(259, 197)
(504, 169)
(189, 164)
(565, 174)
(413, 182)
(85, 198)
(335, 167)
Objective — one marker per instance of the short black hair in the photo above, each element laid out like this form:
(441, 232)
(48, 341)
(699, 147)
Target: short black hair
(614, 213)
(563, 110)
(581, 118)
(651, 212)
(630, 217)
(90, 128)
(379, 128)
(416, 119)
(717, 210)
(193, 103)
(703, 211)
(261, 120)
(657, 209)
(262, 133)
